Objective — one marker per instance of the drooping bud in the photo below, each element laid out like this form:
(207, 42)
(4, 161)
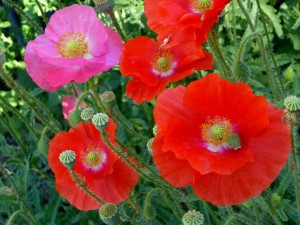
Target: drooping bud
(149, 212)
(74, 117)
(100, 120)
(108, 213)
(87, 114)
(289, 74)
(275, 200)
(105, 6)
(234, 141)
(292, 103)
(108, 98)
(242, 71)
(149, 145)
(67, 158)
(192, 217)
(2, 57)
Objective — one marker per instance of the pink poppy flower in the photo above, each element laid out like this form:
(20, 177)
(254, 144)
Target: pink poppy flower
(75, 47)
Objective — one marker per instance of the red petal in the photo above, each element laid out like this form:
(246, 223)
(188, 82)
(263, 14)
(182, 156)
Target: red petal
(272, 148)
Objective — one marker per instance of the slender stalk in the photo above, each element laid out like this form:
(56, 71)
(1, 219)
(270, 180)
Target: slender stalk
(42, 11)
(84, 188)
(234, 26)
(296, 168)
(23, 214)
(212, 212)
(96, 94)
(117, 26)
(16, 112)
(171, 204)
(214, 44)
(37, 107)
(83, 96)
(231, 218)
(22, 13)
(263, 52)
(74, 89)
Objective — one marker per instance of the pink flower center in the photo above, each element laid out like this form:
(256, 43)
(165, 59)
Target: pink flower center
(93, 157)
(72, 45)
(202, 5)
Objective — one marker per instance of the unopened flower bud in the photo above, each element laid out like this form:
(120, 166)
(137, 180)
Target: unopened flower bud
(105, 6)
(242, 71)
(74, 117)
(275, 200)
(292, 103)
(67, 158)
(108, 213)
(108, 98)
(149, 212)
(289, 74)
(234, 141)
(87, 114)
(100, 120)
(2, 57)
(192, 217)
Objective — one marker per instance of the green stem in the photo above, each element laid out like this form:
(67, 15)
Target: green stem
(83, 96)
(266, 207)
(263, 52)
(84, 188)
(42, 11)
(37, 107)
(231, 218)
(117, 26)
(212, 213)
(12, 130)
(175, 211)
(22, 13)
(214, 44)
(234, 26)
(23, 214)
(74, 89)
(96, 95)
(16, 112)
(296, 168)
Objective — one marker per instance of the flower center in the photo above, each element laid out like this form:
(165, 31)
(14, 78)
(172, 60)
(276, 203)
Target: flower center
(93, 157)
(218, 133)
(162, 61)
(202, 5)
(215, 131)
(72, 45)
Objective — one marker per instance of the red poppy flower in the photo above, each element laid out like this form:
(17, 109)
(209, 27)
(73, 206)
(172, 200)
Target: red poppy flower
(101, 170)
(152, 65)
(183, 20)
(220, 138)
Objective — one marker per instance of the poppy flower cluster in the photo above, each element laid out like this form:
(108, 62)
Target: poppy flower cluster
(182, 26)
(100, 169)
(75, 47)
(220, 138)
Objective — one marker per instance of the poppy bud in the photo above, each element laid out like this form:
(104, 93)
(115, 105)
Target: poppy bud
(149, 145)
(149, 212)
(67, 158)
(74, 117)
(108, 213)
(292, 103)
(100, 120)
(105, 6)
(87, 114)
(108, 98)
(242, 71)
(192, 217)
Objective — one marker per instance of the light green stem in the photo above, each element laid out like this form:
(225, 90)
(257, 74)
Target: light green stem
(23, 214)
(84, 188)
(42, 11)
(117, 26)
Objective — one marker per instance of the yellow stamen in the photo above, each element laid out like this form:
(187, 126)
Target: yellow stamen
(93, 156)
(72, 45)
(215, 131)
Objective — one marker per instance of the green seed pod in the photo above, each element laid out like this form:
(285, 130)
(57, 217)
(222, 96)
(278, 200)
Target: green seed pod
(74, 117)
(192, 217)
(108, 213)
(100, 120)
(242, 71)
(105, 6)
(87, 114)
(68, 158)
(292, 103)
